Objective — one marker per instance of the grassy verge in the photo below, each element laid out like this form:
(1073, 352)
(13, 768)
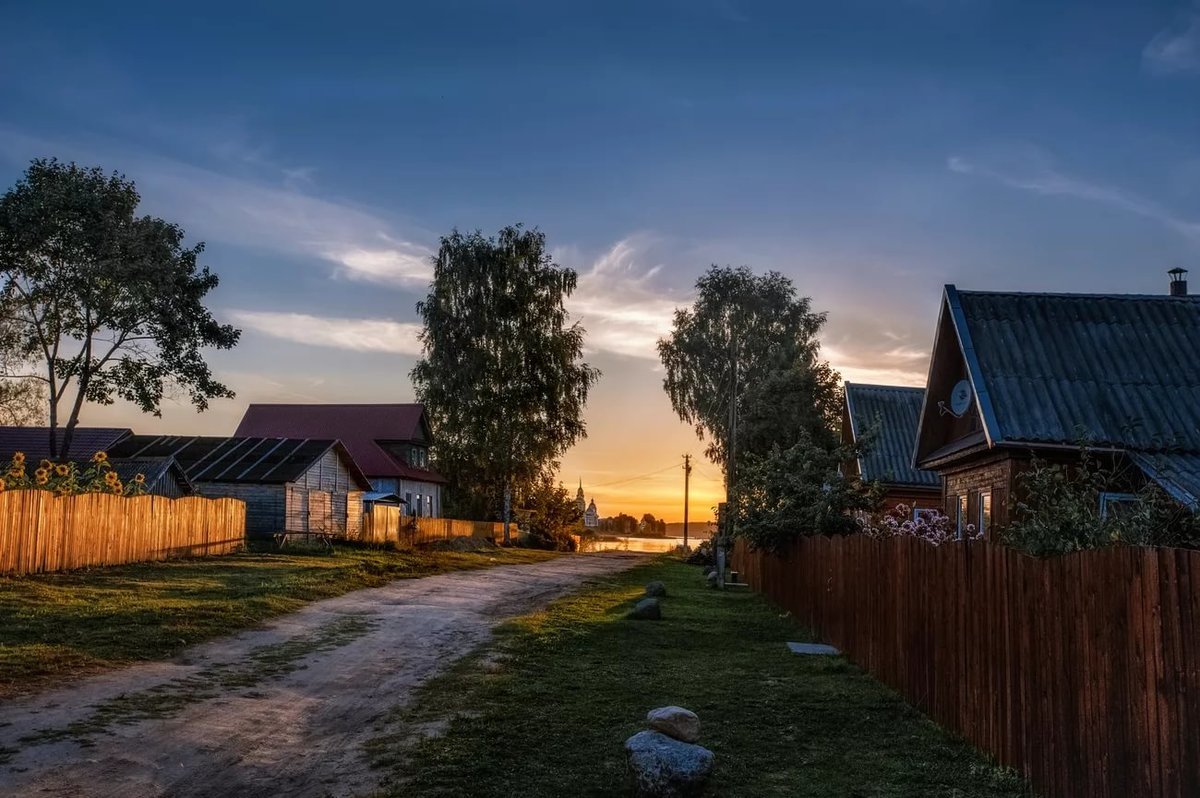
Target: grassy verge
(546, 710)
(56, 627)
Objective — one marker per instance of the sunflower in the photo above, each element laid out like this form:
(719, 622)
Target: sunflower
(2, 485)
(139, 479)
(42, 478)
(62, 469)
(99, 457)
(111, 477)
(19, 458)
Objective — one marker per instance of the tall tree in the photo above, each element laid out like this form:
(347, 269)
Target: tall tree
(743, 367)
(502, 375)
(109, 303)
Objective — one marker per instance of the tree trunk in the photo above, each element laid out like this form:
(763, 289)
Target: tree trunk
(507, 512)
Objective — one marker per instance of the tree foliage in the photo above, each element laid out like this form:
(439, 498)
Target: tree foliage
(106, 303)
(502, 375)
(549, 515)
(750, 340)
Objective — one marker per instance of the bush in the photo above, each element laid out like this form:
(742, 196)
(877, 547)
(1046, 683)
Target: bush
(703, 554)
(930, 526)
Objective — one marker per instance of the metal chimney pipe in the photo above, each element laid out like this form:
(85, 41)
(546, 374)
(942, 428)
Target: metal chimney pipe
(1178, 281)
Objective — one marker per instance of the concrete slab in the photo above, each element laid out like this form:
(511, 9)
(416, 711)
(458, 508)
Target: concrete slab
(812, 648)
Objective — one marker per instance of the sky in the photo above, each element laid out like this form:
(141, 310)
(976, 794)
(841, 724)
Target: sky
(871, 150)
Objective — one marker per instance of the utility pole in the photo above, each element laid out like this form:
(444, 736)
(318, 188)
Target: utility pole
(730, 461)
(687, 472)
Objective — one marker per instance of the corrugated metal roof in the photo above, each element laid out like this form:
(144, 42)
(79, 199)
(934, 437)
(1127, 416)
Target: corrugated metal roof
(152, 468)
(218, 459)
(892, 413)
(1116, 370)
(35, 441)
(359, 427)
(1178, 473)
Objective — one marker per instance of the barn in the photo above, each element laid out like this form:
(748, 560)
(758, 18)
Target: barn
(292, 485)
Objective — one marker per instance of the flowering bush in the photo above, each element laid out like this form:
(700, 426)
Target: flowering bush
(69, 479)
(930, 526)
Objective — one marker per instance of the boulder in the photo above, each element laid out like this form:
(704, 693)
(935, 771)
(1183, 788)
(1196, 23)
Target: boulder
(677, 722)
(667, 768)
(656, 588)
(648, 609)
(712, 579)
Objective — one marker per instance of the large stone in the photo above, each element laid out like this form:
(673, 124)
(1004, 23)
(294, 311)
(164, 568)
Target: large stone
(712, 579)
(656, 588)
(648, 609)
(667, 768)
(677, 722)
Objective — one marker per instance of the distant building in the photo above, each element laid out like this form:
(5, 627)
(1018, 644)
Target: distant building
(591, 516)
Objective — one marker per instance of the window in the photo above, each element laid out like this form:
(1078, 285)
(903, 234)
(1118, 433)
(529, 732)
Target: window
(960, 517)
(984, 526)
(923, 512)
(429, 506)
(417, 510)
(1115, 503)
(408, 505)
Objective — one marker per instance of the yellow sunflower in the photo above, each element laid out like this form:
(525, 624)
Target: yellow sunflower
(110, 477)
(139, 479)
(41, 477)
(62, 469)
(19, 458)
(99, 457)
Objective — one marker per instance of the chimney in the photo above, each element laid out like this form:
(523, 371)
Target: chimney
(1178, 281)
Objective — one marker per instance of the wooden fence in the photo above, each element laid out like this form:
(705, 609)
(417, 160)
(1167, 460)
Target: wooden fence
(1082, 672)
(41, 532)
(384, 523)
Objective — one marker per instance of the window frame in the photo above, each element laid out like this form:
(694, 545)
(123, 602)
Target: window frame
(1108, 497)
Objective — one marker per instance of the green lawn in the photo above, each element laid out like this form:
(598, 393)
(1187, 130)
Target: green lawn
(546, 710)
(56, 627)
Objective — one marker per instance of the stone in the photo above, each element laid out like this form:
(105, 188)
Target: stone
(648, 609)
(677, 722)
(656, 588)
(712, 579)
(667, 768)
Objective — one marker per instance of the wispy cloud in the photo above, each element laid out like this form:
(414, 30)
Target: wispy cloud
(619, 303)
(360, 243)
(1176, 49)
(1032, 170)
(360, 335)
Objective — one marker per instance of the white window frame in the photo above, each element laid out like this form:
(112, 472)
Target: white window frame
(960, 516)
(980, 527)
(923, 512)
(1113, 497)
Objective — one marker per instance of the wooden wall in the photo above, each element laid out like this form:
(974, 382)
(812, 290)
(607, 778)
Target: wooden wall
(41, 532)
(265, 504)
(1082, 672)
(385, 524)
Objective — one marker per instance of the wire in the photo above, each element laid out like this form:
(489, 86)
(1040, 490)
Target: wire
(639, 476)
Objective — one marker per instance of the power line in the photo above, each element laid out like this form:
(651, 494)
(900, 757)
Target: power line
(639, 476)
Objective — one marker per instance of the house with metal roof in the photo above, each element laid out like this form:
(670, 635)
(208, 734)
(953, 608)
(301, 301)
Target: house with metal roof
(289, 485)
(1014, 375)
(884, 418)
(390, 442)
(35, 441)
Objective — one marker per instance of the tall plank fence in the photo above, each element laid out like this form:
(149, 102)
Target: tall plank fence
(1082, 672)
(385, 524)
(42, 532)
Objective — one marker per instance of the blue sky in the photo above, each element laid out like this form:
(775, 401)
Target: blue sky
(871, 150)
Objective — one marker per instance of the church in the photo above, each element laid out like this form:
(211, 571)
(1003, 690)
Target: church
(591, 516)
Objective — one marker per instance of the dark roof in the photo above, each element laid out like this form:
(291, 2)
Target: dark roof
(891, 413)
(256, 460)
(35, 441)
(1178, 473)
(152, 468)
(359, 427)
(1116, 370)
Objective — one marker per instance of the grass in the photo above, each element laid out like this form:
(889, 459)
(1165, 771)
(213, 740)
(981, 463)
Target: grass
(545, 711)
(57, 627)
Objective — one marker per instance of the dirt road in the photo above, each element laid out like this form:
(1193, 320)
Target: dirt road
(280, 710)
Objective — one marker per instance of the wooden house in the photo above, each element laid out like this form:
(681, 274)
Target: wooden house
(289, 484)
(390, 442)
(1016, 375)
(163, 475)
(885, 416)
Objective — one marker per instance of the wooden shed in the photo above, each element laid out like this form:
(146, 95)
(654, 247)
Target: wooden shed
(299, 485)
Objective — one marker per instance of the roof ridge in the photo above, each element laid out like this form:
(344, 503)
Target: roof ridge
(1074, 295)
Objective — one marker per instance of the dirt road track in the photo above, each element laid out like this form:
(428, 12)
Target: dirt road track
(283, 710)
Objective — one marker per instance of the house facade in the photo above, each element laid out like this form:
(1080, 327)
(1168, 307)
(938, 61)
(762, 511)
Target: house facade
(390, 443)
(885, 417)
(303, 485)
(1015, 376)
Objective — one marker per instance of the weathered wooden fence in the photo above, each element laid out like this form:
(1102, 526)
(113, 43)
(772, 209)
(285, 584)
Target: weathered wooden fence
(41, 532)
(1082, 672)
(383, 524)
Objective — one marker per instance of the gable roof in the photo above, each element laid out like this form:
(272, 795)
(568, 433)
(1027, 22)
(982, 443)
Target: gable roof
(1117, 370)
(35, 441)
(152, 469)
(359, 427)
(891, 412)
(269, 461)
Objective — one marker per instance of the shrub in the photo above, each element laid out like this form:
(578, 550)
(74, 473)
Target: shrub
(930, 526)
(70, 479)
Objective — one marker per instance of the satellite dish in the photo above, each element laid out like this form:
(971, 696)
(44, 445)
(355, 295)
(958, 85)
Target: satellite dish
(960, 398)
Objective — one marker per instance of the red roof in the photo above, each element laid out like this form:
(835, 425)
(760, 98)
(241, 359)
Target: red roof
(358, 427)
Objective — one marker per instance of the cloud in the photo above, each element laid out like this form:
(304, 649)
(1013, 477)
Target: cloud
(361, 244)
(620, 306)
(1176, 49)
(359, 335)
(1032, 170)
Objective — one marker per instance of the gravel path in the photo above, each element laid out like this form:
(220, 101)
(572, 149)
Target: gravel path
(281, 710)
